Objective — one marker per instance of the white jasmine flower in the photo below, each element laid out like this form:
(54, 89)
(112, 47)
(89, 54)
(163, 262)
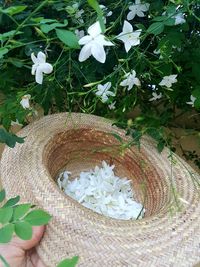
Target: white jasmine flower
(109, 14)
(192, 100)
(112, 105)
(179, 19)
(103, 192)
(128, 36)
(103, 91)
(168, 80)
(94, 44)
(105, 9)
(78, 15)
(25, 101)
(80, 33)
(137, 9)
(106, 12)
(177, 48)
(130, 80)
(76, 12)
(158, 52)
(40, 66)
(155, 96)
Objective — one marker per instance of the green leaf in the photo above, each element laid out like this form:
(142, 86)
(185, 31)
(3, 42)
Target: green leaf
(160, 146)
(7, 35)
(69, 262)
(169, 22)
(9, 138)
(13, 10)
(155, 133)
(156, 5)
(160, 18)
(171, 9)
(5, 215)
(196, 93)
(68, 38)
(11, 202)
(41, 20)
(197, 103)
(2, 195)
(117, 137)
(3, 51)
(140, 26)
(156, 28)
(37, 217)
(17, 63)
(23, 230)
(6, 233)
(49, 27)
(21, 210)
(94, 4)
(137, 137)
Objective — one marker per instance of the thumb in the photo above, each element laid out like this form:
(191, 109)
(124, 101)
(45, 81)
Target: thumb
(28, 244)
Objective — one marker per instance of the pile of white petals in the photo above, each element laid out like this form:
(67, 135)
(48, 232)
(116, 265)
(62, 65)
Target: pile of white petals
(102, 191)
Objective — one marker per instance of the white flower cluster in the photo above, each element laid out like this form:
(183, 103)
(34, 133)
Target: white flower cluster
(129, 81)
(94, 43)
(100, 190)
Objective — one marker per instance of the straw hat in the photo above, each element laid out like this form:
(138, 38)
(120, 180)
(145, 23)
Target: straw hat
(78, 142)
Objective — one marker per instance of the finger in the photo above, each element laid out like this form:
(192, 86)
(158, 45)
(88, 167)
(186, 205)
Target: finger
(28, 244)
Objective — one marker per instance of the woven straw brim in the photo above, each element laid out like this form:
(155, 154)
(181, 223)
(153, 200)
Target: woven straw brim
(78, 142)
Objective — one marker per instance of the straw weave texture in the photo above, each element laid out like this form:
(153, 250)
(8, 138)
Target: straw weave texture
(78, 142)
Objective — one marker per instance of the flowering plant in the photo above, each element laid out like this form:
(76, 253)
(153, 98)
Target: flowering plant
(110, 58)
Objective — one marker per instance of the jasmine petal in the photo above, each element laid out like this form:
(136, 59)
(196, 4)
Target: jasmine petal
(103, 192)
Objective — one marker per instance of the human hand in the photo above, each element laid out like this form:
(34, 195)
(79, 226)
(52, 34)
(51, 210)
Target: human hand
(20, 253)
